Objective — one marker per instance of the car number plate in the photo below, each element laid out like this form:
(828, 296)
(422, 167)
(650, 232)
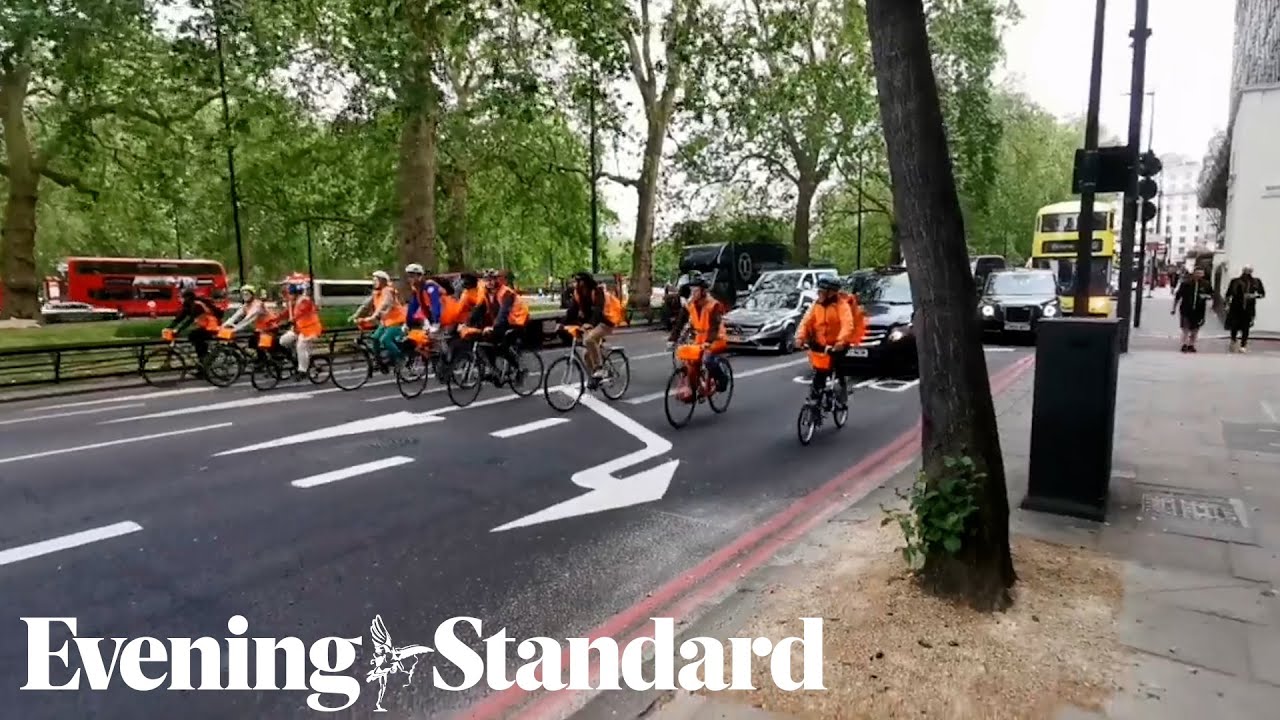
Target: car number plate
(857, 352)
(1017, 326)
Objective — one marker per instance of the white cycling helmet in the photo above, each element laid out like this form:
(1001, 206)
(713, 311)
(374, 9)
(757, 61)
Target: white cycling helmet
(381, 275)
(414, 269)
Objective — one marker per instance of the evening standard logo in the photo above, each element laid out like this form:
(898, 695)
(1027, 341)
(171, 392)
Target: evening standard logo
(148, 663)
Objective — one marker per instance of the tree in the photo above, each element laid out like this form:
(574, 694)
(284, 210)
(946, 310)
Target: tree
(958, 416)
(791, 99)
(64, 69)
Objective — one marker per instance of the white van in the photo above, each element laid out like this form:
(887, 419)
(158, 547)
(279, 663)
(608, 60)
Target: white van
(797, 280)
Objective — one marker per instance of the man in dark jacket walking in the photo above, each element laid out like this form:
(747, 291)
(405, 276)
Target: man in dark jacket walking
(1242, 298)
(1191, 302)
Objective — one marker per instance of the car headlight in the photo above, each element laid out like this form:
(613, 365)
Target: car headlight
(899, 332)
(988, 311)
(1050, 310)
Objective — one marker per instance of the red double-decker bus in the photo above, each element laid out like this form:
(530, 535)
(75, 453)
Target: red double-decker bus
(136, 287)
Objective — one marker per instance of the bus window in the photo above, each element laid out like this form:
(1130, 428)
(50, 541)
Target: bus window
(1064, 270)
(1066, 222)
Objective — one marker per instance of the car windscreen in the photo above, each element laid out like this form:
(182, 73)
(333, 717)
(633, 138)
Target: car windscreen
(889, 288)
(779, 282)
(1021, 284)
(770, 301)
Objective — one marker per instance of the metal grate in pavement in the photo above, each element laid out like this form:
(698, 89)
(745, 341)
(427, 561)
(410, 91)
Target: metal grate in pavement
(1196, 508)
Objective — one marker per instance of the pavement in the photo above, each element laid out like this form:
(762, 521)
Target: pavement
(311, 510)
(1193, 521)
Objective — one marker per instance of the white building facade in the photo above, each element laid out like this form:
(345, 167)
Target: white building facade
(1183, 225)
(1241, 177)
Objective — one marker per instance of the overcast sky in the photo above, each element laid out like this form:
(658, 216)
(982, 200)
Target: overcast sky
(1048, 57)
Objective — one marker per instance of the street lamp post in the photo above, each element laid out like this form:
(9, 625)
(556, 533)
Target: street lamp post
(226, 125)
(1084, 244)
(595, 198)
(1142, 238)
(861, 163)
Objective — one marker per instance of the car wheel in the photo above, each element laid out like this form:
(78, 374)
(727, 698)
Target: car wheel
(787, 345)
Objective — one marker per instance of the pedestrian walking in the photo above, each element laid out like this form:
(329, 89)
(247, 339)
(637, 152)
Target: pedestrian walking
(1191, 302)
(1242, 305)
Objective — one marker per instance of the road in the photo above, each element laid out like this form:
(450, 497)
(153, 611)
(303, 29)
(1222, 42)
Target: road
(309, 511)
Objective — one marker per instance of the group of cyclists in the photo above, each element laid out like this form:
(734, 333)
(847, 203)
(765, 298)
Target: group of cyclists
(486, 305)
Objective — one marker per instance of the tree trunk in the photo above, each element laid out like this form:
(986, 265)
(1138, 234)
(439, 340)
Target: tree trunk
(805, 190)
(958, 416)
(18, 240)
(895, 244)
(417, 188)
(641, 282)
(455, 245)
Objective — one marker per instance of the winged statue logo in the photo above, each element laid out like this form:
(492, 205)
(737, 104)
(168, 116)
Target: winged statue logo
(390, 660)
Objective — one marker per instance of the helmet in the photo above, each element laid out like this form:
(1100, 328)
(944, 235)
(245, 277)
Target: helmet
(414, 269)
(187, 286)
(827, 283)
(469, 280)
(249, 289)
(699, 281)
(381, 275)
(490, 274)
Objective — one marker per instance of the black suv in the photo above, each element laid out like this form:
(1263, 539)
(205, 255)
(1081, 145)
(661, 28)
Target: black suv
(885, 296)
(1013, 301)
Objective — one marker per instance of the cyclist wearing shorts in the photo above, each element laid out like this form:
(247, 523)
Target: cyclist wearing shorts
(598, 311)
(305, 325)
(384, 307)
(827, 324)
(705, 314)
(200, 312)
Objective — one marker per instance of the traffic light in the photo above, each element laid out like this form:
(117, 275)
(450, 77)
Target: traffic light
(1148, 166)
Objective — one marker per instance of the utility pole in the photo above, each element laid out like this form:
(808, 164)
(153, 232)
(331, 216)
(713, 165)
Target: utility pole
(1137, 81)
(595, 165)
(861, 163)
(226, 125)
(1142, 240)
(311, 266)
(1084, 246)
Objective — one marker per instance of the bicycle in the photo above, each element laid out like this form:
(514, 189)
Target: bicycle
(278, 363)
(615, 365)
(834, 399)
(679, 393)
(686, 337)
(226, 360)
(469, 368)
(363, 358)
(425, 355)
(160, 364)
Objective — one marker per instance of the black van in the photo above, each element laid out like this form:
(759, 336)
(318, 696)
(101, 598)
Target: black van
(731, 268)
(984, 265)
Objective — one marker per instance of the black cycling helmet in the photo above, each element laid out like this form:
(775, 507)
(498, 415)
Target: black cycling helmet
(469, 280)
(699, 281)
(827, 283)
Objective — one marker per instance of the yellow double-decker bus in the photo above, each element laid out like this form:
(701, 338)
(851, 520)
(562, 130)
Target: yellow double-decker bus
(1053, 247)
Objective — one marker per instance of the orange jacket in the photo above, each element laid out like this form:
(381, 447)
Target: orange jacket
(827, 324)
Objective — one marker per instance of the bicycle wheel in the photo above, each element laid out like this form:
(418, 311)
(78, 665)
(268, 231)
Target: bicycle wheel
(223, 366)
(351, 370)
(840, 411)
(320, 370)
(564, 385)
(164, 366)
(466, 375)
(719, 401)
(266, 374)
(679, 413)
(525, 374)
(412, 375)
(617, 374)
(805, 423)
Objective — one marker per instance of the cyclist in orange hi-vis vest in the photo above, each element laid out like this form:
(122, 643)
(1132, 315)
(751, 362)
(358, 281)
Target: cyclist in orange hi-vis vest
(705, 314)
(598, 311)
(305, 326)
(200, 312)
(384, 307)
(502, 313)
(827, 325)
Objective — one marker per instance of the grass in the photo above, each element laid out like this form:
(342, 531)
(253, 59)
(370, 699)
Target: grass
(64, 334)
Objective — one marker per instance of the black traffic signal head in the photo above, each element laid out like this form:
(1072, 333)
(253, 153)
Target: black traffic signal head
(1147, 188)
(1148, 211)
(1149, 164)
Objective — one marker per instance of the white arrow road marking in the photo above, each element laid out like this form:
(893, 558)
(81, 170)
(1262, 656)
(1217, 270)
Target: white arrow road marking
(109, 443)
(66, 542)
(989, 348)
(228, 405)
(394, 421)
(607, 491)
(350, 472)
(529, 427)
(51, 416)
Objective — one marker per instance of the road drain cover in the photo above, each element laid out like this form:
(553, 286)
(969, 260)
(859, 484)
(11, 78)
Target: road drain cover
(1222, 511)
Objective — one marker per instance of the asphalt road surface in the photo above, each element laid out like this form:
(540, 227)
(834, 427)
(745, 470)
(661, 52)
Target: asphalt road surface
(310, 510)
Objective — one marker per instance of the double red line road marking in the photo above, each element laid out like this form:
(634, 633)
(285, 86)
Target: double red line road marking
(693, 589)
